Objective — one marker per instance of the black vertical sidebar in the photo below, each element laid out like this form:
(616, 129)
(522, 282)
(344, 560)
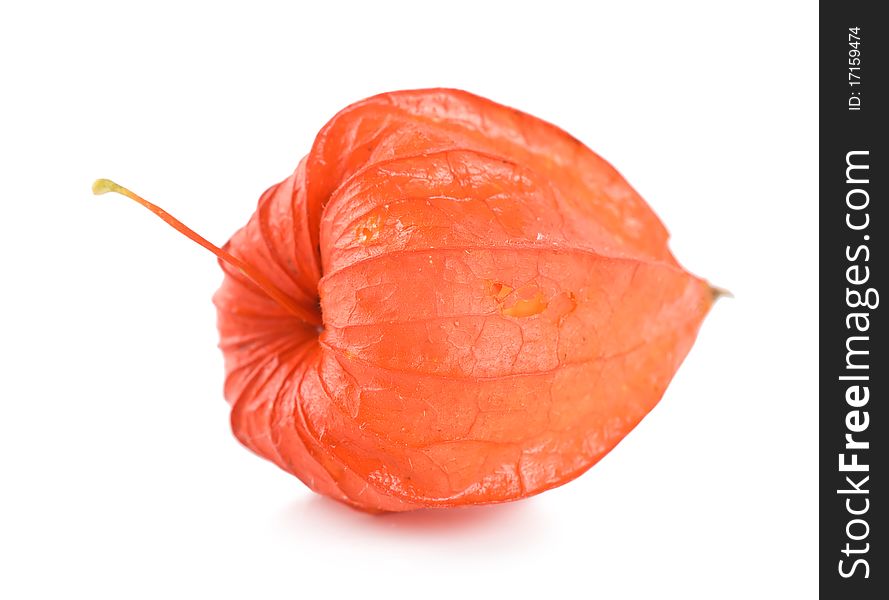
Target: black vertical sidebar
(854, 370)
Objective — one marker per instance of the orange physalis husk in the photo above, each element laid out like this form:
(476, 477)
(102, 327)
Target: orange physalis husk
(449, 302)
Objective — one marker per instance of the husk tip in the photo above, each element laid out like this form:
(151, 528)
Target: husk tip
(717, 292)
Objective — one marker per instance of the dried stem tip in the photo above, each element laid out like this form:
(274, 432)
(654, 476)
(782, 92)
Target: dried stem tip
(103, 186)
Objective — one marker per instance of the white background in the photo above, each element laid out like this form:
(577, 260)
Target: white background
(120, 476)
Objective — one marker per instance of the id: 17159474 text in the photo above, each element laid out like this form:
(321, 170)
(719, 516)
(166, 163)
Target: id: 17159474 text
(854, 68)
